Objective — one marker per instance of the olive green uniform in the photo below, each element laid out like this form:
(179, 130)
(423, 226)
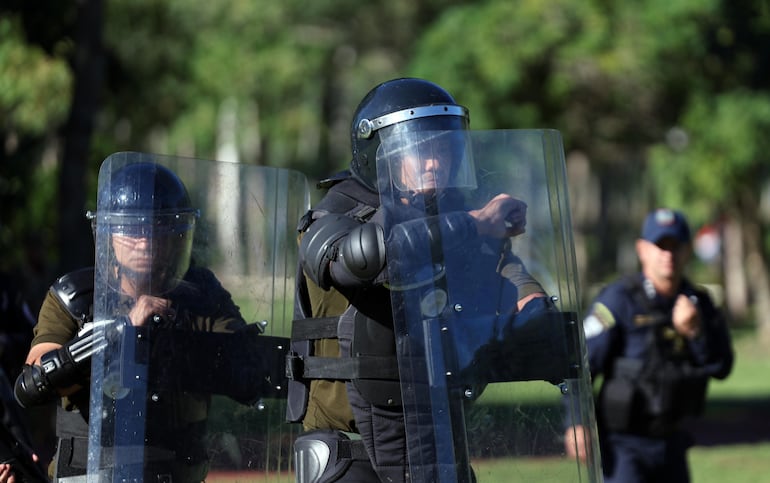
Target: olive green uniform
(176, 420)
(328, 405)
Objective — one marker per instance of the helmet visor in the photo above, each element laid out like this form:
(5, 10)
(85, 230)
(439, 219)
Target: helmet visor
(148, 250)
(423, 161)
(144, 224)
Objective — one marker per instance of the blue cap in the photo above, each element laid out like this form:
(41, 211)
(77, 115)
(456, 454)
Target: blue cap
(663, 223)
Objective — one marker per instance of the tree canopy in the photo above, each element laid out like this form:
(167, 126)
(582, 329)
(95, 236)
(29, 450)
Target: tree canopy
(667, 101)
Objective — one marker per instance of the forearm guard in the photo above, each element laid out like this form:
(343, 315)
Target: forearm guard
(434, 233)
(419, 246)
(58, 369)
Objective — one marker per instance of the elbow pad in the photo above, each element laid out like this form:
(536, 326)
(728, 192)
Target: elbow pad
(363, 251)
(318, 246)
(75, 291)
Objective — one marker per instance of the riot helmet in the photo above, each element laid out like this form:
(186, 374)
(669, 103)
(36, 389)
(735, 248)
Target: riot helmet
(145, 211)
(403, 109)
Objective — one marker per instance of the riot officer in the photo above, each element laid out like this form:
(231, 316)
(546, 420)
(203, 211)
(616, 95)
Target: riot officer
(147, 215)
(657, 339)
(345, 383)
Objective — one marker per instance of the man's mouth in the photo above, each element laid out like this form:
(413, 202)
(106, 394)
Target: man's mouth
(428, 180)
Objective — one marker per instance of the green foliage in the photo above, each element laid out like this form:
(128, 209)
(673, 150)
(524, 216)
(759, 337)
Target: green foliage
(260, 66)
(26, 232)
(718, 154)
(622, 80)
(35, 88)
(507, 60)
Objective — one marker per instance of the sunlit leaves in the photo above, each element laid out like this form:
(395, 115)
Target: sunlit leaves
(35, 88)
(722, 154)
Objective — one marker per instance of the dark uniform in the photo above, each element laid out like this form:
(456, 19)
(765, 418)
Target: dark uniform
(654, 378)
(176, 421)
(16, 324)
(16, 321)
(345, 386)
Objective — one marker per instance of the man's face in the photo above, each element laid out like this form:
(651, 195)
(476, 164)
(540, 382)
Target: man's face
(134, 252)
(664, 260)
(426, 161)
(428, 165)
(145, 253)
(425, 174)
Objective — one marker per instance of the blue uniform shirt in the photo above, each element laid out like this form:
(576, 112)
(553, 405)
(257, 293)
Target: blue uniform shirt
(621, 318)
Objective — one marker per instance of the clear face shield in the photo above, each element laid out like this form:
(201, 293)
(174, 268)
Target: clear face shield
(424, 162)
(150, 251)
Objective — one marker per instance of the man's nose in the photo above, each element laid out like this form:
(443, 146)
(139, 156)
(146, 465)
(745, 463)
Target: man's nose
(431, 164)
(142, 241)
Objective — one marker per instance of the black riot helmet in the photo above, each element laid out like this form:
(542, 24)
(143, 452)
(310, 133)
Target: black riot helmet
(144, 203)
(412, 104)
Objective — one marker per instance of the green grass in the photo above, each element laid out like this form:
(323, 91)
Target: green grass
(529, 470)
(749, 378)
(749, 463)
(729, 408)
(257, 306)
(737, 406)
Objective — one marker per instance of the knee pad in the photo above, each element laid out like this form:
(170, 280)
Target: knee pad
(324, 455)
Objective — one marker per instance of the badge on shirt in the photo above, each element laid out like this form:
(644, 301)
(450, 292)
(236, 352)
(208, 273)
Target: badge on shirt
(640, 320)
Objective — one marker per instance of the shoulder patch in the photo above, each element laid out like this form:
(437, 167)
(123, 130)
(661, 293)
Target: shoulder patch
(599, 320)
(592, 327)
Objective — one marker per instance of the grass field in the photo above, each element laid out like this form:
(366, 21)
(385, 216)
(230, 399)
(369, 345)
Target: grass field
(739, 463)
(733, 437)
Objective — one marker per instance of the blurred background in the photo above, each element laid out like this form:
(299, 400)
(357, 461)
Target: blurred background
(659, 102)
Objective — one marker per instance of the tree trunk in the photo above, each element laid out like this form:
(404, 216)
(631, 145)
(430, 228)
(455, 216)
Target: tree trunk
(74, 232)
(735, 286)
(759, 285)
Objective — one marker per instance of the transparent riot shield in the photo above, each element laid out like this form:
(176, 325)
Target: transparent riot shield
(192, 312)
(487, 380)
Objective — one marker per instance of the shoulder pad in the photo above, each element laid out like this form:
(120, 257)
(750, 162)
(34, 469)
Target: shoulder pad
(75, 291)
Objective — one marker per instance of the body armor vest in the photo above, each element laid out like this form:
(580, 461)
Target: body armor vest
(368, 360)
